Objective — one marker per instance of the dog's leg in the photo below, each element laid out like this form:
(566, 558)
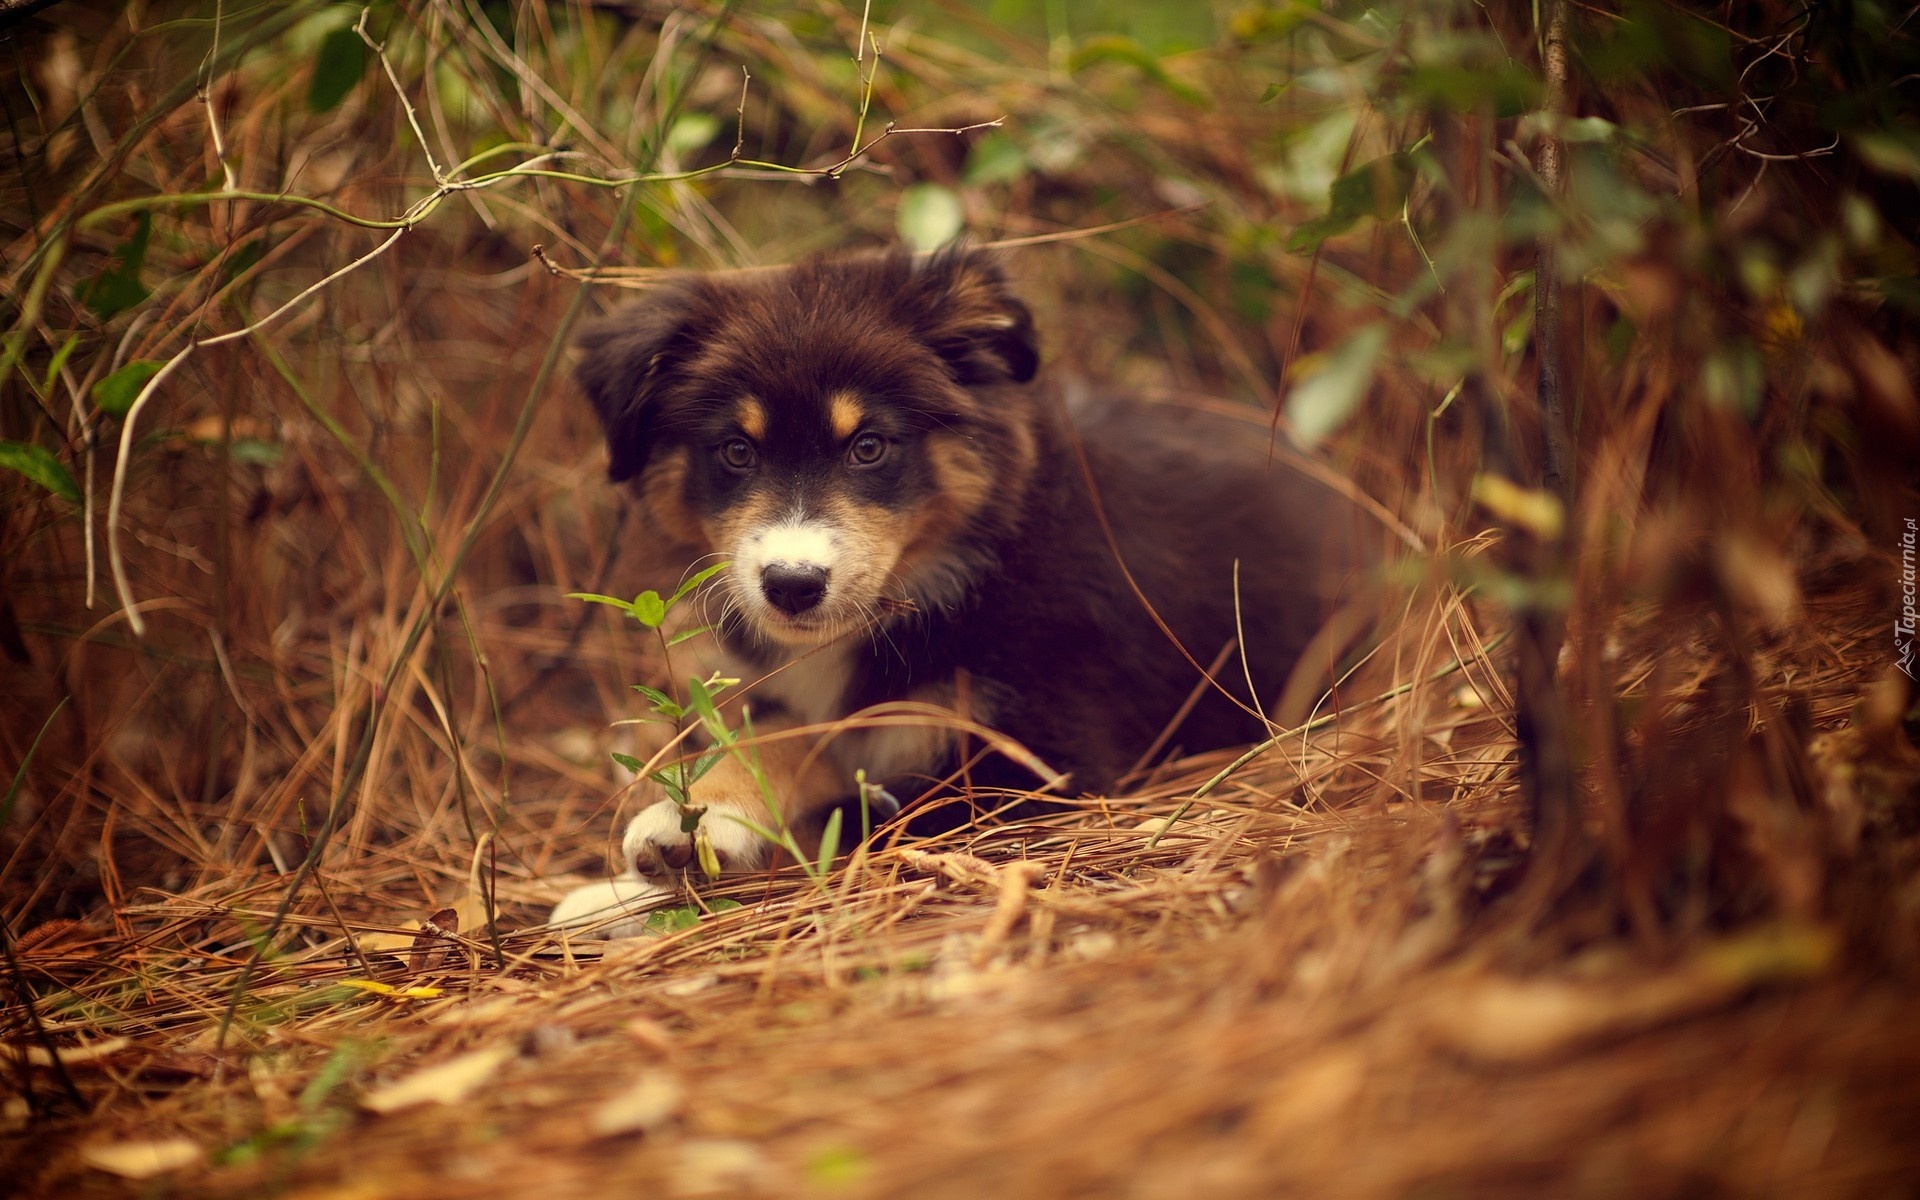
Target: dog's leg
(798, 783)
(610, 908)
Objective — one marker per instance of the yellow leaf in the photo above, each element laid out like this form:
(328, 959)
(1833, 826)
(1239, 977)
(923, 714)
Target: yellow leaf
(419, 992)
(1539, 513)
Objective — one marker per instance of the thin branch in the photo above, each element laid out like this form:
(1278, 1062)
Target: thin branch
(128, 424)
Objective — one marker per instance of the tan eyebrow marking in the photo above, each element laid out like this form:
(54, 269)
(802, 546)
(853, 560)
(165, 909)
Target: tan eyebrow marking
(846, 414)
(752, 416)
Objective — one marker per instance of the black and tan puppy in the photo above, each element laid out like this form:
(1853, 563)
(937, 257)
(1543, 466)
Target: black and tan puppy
(907, 515)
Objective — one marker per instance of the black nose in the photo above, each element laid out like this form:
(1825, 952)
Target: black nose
(793, 590)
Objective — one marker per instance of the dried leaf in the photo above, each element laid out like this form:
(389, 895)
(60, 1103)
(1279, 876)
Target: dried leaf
(646, 1105)
(1016, 878)
(1311, 1091)
(141, 1160)
(71, 1056)
(445, 1083)
(470, 910)
(429, 946)
(1508, 1021)
(389, 943)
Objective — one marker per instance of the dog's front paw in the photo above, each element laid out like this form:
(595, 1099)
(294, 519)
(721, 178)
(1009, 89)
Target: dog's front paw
(611, 908)
(657, 846)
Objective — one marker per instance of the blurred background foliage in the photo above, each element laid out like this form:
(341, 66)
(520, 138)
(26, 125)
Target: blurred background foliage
(348, 526)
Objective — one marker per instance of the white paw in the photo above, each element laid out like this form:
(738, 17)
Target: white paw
(655, 846)
(611, 908)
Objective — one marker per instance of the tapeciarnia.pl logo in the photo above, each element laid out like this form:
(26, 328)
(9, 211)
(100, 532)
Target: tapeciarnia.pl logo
(1904, 623)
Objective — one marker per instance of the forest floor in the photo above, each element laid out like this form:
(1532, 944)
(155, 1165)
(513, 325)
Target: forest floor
(1304, 984)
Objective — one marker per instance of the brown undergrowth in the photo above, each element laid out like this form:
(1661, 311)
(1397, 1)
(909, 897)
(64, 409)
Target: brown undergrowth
(1309, 982)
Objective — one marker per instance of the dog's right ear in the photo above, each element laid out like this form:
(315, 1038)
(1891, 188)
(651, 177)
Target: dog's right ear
(626, 358)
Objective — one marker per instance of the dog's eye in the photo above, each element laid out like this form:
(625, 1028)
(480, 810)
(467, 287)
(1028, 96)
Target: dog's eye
(738, 454)
(867, 449)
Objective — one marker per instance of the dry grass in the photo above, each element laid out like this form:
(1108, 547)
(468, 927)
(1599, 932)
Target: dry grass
(1282, 993)
(1329, 974)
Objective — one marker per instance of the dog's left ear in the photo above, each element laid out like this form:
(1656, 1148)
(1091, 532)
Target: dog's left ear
(626, 358)
(972, 320)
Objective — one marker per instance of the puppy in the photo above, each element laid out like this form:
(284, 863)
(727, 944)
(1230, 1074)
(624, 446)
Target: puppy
(915, 524)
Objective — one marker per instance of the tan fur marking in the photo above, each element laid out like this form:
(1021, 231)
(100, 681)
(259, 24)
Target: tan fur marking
(865, 523)
(965, 483)
(965, 480)
(846, 414)
(752, 416)
(662, 490)
(729, 528)
(803, 781)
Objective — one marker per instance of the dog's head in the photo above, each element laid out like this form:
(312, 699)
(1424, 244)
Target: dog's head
(838, 431)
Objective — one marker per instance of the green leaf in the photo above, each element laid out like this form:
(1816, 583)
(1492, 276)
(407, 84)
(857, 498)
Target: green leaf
(1273, 91)
(1588, 129)
(625, 606)
(1116, 48)
(930, 216)
(830, 841)
(699, 699)
(236, 264)
(1318, 406)
(700, 702)
(38, 464)
(1507, 89)
(1648, 33)
(118, 289)
(706, 762)
(1734, 376)
(995, 158)
(691, 133)
(60, 358)
(649, 609)
(669, 779)
(1514, 335)
(337, 67)
(1263, 23)
(690, 819)
(722, 904)
(1376, 189)
(687, 635)
(1890, 152)
(629, 762)
(257, 453)
(695, 581)
(672, 920)
(116, 393)
(662, 703)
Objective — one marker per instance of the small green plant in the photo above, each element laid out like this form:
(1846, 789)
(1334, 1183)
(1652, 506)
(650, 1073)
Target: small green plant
(322, 1110)
(677, 777)
(701, 705)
